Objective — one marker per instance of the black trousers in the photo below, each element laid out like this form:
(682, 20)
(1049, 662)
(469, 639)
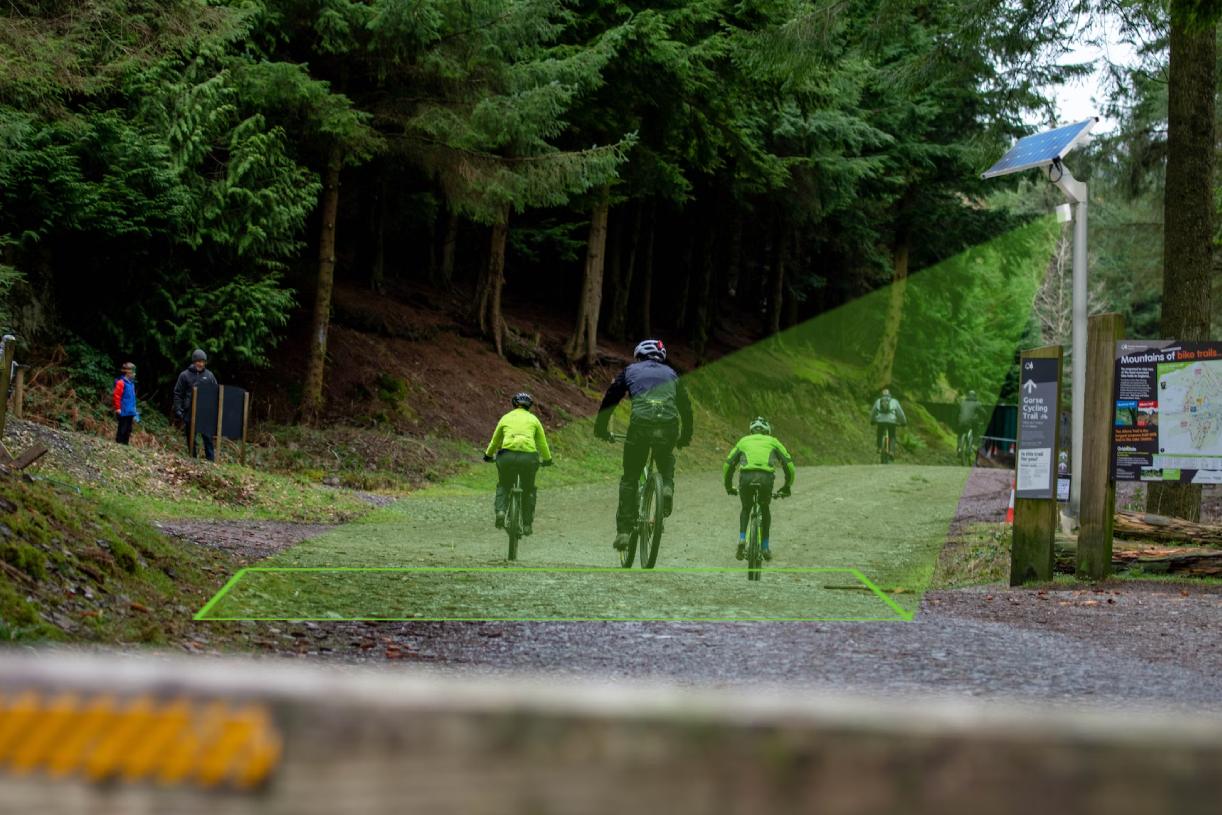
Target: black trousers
(209, 452)
(511, 465)
(124, 432)
(756, 482)
(889, 429)
(642, 439)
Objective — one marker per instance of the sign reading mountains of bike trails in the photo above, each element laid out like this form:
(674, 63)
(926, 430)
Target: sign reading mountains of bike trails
(1167, 424)
(1038, 414)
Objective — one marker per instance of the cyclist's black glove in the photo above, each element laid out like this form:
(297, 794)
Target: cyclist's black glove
(548, 463)
(605, 435)
(731, 491)
(684, 442)
(488, 458)
(785, 492)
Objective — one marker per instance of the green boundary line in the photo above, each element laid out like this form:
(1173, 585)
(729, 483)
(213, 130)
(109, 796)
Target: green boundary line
(901, 613)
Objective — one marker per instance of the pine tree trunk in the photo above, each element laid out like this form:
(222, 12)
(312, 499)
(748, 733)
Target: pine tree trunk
(491, 319)
(612, 267)
(617, 327)
(703, 318)
(447, 248)
(1187, 212)
(647, 278)
(583, 346)
(735, 255)
(776, 291)
(683, 307)
(884, 356)
(311, 397)
(377, 276)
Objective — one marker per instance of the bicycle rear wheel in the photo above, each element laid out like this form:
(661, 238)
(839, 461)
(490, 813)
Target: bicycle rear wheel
(651, 512)
(755, 557)
(627, 556)
(513, 522)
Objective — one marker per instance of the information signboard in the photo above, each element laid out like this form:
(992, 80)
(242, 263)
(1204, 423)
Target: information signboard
(1038, 414)
(1167, 423)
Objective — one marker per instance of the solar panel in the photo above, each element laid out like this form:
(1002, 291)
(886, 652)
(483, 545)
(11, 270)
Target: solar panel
(1041, 149)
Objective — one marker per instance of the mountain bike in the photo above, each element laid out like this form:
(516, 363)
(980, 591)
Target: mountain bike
(513, 517)
(647, 531)
(966, 450)
(755, 546)
(887, 448)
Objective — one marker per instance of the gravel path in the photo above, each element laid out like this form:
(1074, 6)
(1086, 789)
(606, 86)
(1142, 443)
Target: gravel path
(1126, 644)
(249, 540)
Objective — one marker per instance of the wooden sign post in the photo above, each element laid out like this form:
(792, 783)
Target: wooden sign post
(1094, 558)
(1035, 504)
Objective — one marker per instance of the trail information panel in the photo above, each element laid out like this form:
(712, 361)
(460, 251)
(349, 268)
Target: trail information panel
(1038, 414)
(1168, 420)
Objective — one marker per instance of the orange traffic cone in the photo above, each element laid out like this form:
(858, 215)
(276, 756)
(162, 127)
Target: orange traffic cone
(1010, 508)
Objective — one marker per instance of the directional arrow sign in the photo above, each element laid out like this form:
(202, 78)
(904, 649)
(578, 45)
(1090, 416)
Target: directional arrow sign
(1038, 414)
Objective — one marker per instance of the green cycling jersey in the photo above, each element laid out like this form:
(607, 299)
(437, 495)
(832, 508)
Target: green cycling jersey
(758, 452)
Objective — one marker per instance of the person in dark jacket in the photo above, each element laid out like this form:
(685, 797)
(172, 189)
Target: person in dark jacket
(661, 421)
(125, 403)
(197, 373)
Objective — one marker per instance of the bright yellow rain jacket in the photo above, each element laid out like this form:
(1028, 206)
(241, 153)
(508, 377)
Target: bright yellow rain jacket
(520, 430)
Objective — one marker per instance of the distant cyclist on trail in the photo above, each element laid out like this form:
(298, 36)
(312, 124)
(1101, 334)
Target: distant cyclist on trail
(970, 414)
(758, 454)
(661, 420)
(886, 415)
(518, 447)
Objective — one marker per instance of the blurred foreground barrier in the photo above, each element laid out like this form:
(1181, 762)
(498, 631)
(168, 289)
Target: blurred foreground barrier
(228, 736)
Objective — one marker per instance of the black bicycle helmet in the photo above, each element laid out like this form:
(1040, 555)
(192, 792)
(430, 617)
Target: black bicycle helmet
(522, 399)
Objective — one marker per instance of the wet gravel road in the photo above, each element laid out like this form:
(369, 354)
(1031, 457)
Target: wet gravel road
(1126, 644)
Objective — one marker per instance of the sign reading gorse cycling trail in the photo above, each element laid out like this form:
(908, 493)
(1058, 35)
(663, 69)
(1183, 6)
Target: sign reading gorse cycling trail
(1038, 414)
(1168, 420)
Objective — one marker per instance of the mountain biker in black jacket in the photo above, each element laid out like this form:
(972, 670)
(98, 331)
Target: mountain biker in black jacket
(661, 421)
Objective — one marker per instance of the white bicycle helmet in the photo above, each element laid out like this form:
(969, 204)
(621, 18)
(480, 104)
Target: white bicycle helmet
(760, 425)
(650, 349)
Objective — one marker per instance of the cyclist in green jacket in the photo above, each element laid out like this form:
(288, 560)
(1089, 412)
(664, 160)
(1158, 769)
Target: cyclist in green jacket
(758, 454)
(518, 447)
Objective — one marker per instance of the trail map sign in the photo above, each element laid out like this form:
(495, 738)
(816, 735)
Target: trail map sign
(1168, 419)
(1038, 413)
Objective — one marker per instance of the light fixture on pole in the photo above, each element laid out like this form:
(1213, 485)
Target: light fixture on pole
(1044, 151)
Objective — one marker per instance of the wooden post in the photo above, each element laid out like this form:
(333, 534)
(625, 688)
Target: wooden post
(220, 415)
(1035, 519)
(1094, 559)
(8, 346)
(19, 392)
(245, 425)
(191, 428)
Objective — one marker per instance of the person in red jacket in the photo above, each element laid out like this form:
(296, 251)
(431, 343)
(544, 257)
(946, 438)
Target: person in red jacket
(125, 403)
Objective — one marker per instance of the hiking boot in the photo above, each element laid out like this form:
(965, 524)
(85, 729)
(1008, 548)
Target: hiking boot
(621, 542)
(767, 553)
(668, 500)
(526, 530)
(500, 520)
(742, 550)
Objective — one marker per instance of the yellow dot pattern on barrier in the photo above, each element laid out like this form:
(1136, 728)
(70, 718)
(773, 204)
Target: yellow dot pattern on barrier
(211, 744)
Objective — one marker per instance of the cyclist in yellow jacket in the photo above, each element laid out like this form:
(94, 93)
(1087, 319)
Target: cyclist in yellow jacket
(758, 454)
(519, 447)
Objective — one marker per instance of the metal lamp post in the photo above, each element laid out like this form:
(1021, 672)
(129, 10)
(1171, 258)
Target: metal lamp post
(1045, 151)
